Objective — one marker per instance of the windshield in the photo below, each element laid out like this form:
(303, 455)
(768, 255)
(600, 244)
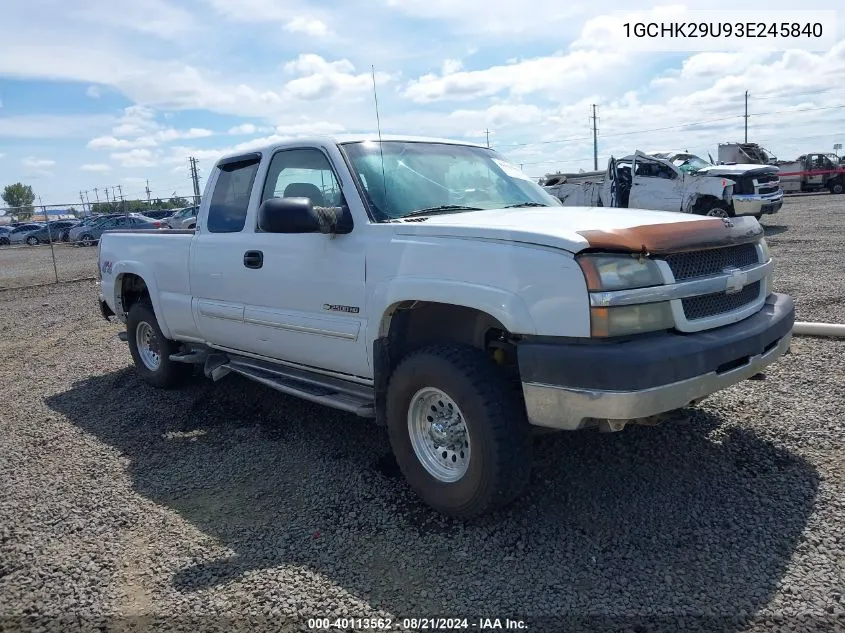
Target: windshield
(415, 176)
(689, 162)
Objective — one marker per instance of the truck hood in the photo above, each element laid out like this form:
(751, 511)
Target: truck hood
(577, 228)
(727, 171)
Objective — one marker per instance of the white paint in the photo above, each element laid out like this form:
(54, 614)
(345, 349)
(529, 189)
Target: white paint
(515, 264)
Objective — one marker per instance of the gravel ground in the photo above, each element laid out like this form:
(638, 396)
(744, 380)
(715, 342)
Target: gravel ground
(230, 506)
(22, 266)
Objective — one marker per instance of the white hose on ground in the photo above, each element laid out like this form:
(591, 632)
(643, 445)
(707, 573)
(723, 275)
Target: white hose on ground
(809, 328)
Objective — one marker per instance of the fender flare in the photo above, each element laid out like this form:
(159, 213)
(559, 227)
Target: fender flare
(506, 307)
(144, 272)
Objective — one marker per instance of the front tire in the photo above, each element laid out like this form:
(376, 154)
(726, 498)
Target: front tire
(718, 212)
(32, 241)
(151, 350)
(86, 240)
(458, 430)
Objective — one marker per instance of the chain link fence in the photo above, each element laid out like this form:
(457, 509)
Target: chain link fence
(56, 243)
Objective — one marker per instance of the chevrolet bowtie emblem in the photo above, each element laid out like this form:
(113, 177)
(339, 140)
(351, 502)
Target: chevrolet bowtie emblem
(736, 280)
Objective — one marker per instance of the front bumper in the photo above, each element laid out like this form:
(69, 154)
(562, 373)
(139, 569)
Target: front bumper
(753, 204)
(566, 385)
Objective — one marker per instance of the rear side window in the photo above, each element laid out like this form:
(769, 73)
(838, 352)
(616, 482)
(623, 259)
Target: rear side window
(230, 199)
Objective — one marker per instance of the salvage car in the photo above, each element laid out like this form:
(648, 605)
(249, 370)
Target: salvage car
(431, 285)
(90, 234)
(51, 231)
(673, 181)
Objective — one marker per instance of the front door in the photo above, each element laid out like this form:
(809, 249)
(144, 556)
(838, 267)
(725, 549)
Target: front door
(655, 185)
(294, 297)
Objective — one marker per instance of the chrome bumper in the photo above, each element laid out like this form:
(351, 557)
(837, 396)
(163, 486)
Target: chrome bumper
(753, 204)
(568, 409)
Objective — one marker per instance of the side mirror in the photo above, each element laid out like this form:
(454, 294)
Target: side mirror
(297, 215)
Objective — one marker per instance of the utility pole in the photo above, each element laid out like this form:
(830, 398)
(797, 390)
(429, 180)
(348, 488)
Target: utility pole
(746, 116)
(82, 200)
(88, 200)
(595, 142)
(96, 195)
(195, 178)
(149, 204)
(487, 132)
(106, 189)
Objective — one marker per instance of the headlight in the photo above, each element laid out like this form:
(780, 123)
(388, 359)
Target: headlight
(619, 272)
(634, 319)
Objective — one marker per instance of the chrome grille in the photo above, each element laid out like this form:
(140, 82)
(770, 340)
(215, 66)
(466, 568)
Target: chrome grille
(719, 303)
(711, 262)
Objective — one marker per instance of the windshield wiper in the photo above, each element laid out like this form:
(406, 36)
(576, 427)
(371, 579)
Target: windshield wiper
(525, 204)
(443, 208)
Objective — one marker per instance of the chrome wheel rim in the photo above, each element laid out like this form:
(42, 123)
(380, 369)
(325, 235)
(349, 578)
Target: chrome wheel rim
(717, 213)
(439, 434)
(147, 342)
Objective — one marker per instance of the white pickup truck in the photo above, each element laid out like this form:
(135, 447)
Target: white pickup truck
(431, 285)
(673, 181)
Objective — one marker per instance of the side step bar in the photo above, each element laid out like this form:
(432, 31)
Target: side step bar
(353, 398)
(314, 387)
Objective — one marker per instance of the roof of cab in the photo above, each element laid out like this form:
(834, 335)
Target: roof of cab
(341, 139)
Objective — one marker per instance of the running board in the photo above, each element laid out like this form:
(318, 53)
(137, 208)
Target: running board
(325, 390)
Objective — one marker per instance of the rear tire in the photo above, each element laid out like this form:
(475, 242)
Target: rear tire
(151, 350)
(837, 186)
(86, 240)
(32, 241)
(455, 395)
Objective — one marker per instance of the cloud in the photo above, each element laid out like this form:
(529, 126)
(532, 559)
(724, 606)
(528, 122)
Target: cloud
(135, 158)
(37, 163)
(554, 74)
(308, 26)
(51, 126)
(93, 92)
(310, 127)
(138, 128)
(97, 167)
(321, 79)
(111, 142)
(492, 17)
(243, 129)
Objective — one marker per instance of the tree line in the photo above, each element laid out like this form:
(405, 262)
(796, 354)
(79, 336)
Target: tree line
(22, 199)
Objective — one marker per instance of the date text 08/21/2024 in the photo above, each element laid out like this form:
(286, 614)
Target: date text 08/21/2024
(433, 624)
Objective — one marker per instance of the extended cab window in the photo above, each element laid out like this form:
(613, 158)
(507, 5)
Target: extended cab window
(230, 199)
(654, 170)
(302, 173)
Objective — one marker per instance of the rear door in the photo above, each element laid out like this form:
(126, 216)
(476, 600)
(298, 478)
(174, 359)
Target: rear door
(655, 185)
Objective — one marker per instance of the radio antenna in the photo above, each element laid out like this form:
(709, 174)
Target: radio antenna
(378, 127)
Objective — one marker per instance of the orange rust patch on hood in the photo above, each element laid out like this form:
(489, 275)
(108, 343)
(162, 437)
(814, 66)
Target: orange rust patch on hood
(677, 236)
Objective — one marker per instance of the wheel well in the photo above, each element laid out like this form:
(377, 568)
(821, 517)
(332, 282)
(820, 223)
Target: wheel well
(410, 325)
(704, 203)
(132, 290)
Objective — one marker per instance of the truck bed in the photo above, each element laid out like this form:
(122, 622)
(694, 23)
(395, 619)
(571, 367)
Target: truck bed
(164, 256)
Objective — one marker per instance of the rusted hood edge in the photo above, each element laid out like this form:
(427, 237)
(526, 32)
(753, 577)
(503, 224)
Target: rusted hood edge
(677, 236)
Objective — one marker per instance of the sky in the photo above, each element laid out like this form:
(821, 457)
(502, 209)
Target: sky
(97, 94)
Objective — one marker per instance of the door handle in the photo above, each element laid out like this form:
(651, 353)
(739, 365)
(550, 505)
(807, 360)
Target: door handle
(253, 259)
